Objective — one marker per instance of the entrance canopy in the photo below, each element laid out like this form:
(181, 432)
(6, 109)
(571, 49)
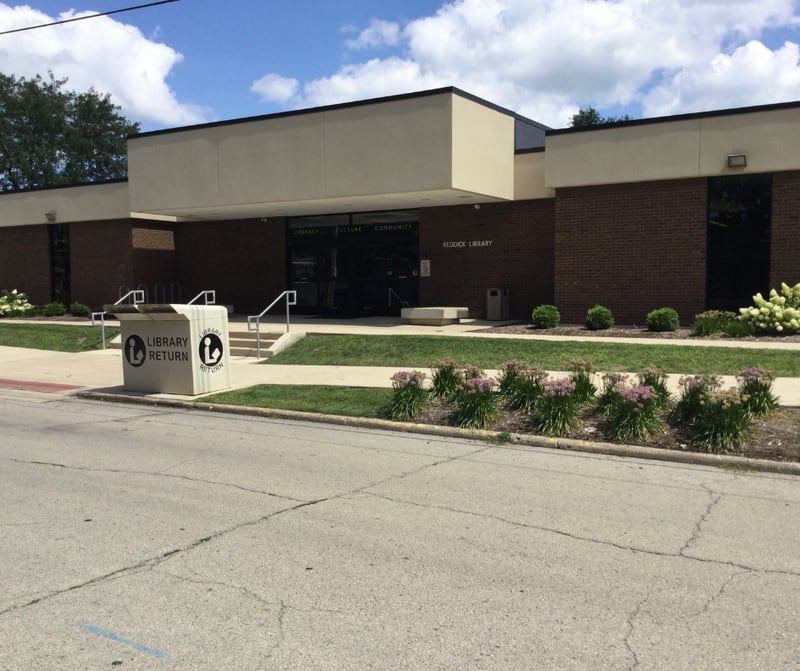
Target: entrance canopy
(435, 148)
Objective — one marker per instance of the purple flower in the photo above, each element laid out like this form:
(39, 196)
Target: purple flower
(478, 385)
(561, 387)
(755, 375)
(534, 374)
(635, 395)
(406, 378)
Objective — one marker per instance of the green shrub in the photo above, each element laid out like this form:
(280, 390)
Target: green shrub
(723, 422)
(14, 303)
(556, 412)
(738, 329)
(408, 396)
(527, 387)
(79, 310)
(632, 413)
(656, 379)
(608, 396)
(581, 376)
(546, 316)
(54, 310)
(508, 377)
(695, 390)
(755, 386)
(712, 322)
(663, 319)
(446, 379)
(599, 318)
(779, 314)
(476, 403)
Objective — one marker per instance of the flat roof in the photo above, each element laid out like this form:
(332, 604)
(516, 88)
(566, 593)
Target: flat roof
(677, 117)
(356, 103)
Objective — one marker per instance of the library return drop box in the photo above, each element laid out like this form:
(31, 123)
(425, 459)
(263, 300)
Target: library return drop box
(174, 349)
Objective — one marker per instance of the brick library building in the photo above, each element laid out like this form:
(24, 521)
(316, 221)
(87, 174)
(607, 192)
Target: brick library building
(427, 199)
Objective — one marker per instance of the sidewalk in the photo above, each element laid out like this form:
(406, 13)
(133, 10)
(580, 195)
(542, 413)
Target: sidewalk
(102, 370)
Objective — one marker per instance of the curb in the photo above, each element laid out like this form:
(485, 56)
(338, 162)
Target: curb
(530, 440)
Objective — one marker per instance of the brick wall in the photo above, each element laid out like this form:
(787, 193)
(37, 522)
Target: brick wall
(101, 260)
(25, 261)
(785, 239)
(243, 260)
(632, 248)
(520, 257)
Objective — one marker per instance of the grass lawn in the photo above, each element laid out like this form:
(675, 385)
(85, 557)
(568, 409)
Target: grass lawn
(328, 400)
(422, 351)
(54, 337)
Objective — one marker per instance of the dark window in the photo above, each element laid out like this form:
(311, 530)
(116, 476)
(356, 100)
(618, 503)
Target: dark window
(60, 290)
(738, 243)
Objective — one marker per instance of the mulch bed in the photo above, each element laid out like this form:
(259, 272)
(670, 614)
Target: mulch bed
(776, 438)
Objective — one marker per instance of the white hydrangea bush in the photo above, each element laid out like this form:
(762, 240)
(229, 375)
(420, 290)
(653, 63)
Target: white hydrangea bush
(780, 313)
(13, 303)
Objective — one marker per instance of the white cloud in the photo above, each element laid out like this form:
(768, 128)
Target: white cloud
(110, 56)
(379, 33)
(545, 59)
(752, 74)
(274, 88)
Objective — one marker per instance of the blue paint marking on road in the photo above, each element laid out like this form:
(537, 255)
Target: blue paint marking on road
(125, 641)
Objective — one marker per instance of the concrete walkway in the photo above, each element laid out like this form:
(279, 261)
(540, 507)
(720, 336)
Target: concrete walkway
(102, 370)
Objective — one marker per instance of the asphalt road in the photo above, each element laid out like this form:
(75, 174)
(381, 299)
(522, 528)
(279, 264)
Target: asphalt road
(143, 538)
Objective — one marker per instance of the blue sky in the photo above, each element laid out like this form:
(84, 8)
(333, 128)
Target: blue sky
(193, 61)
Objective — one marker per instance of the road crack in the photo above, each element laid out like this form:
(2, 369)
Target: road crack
(151, 562)
(157, 474)
(631, 626)
(587, 539)
(698, 527)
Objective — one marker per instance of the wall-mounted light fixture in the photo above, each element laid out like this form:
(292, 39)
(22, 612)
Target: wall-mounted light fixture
(737, 160)
(51, 216)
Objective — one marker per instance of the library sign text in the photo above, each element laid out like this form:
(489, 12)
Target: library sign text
(463, 244)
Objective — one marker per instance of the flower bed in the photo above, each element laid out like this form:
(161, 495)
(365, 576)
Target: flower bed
(703, 417)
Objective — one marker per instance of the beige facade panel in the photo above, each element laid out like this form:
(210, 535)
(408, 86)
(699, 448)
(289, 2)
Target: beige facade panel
(378, 153)
(271, 161)
(529, 169)
(483, 149)
(626, 154)
(392, 147)
(93, 202)
(696, 147)
(174, 170)
(769, 139)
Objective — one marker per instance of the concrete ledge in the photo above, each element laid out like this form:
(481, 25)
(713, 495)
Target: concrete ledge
(433, 316)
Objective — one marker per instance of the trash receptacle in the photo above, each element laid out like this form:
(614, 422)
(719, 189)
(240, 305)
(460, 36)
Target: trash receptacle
(497, 304)
(174, 349)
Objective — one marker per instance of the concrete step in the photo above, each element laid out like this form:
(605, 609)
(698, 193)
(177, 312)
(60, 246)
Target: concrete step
(243, 343)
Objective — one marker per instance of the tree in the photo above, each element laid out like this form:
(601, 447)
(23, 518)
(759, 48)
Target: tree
(51, 136)
(589, 116)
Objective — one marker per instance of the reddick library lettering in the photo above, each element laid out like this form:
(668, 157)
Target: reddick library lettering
(463, 244)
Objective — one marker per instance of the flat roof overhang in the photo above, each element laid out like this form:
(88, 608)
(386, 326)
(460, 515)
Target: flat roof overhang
(370, 203)
(430, 150)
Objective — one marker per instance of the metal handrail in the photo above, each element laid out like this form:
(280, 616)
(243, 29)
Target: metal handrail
(137, 297)
(291, 299)
(393, 293)
(208, 295)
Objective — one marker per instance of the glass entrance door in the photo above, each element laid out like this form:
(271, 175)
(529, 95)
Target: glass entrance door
(365, 264)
